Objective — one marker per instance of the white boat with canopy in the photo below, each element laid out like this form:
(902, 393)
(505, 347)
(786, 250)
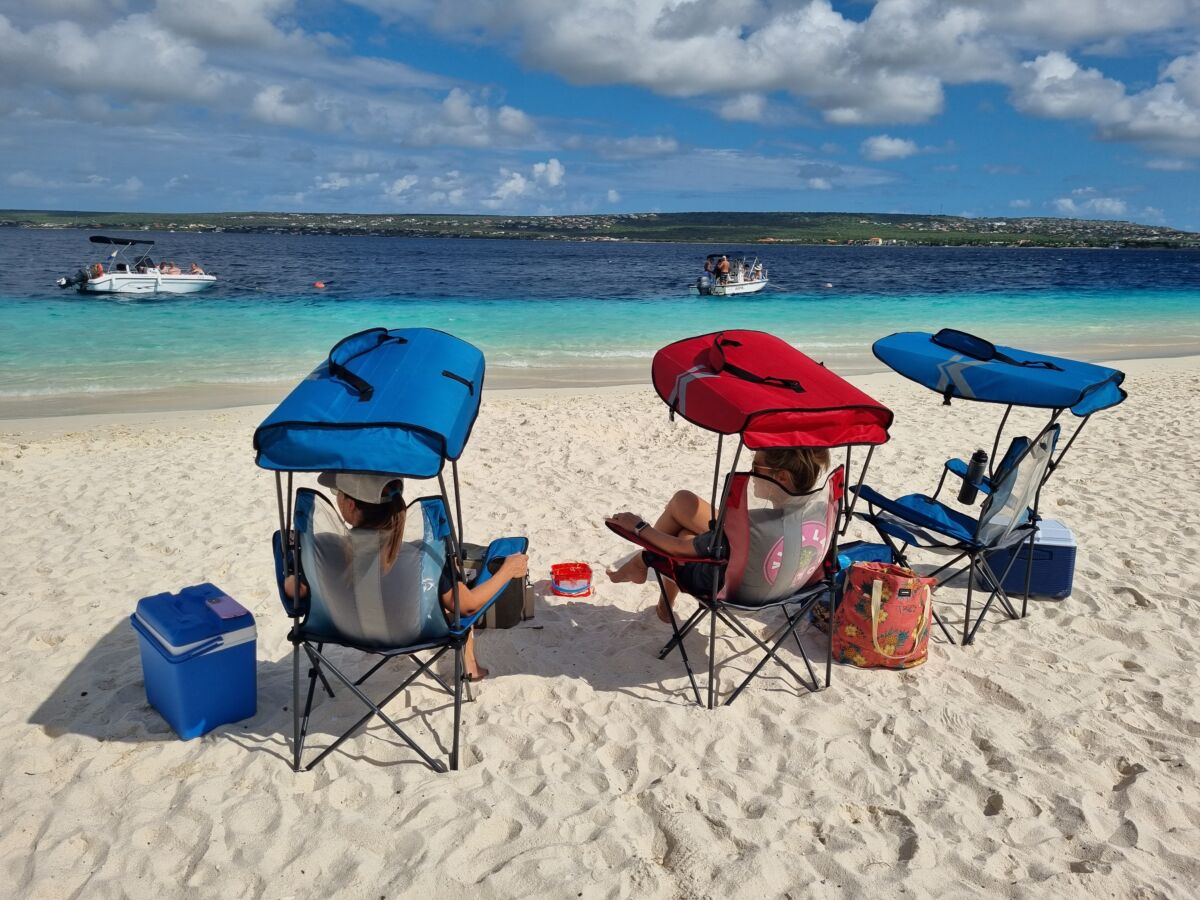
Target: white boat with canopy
(729, 274)
(140, 275)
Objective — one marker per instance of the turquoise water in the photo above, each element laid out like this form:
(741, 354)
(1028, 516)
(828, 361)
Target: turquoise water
(269, 324)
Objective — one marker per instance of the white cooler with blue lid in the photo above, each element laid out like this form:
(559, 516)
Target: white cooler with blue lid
(198, 658)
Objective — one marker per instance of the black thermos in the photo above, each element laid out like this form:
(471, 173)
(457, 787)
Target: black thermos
(975, 472)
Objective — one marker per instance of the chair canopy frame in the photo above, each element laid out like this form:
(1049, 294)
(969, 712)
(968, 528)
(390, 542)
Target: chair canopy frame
(955, 364)
(958, 365)
(761, 388)
(396, 402)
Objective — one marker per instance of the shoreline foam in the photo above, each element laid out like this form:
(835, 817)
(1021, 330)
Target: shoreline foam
(499, 378)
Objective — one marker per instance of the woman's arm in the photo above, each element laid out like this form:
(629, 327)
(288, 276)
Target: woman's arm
(471, 600)
(669, 544)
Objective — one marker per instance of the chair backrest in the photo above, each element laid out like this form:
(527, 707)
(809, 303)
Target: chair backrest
(353, 598)
(779, 542)
(1010, 505)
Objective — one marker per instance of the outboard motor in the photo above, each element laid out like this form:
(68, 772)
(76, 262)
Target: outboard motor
(78, 278)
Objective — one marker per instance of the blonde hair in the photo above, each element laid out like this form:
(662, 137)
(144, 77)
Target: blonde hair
(803, 464)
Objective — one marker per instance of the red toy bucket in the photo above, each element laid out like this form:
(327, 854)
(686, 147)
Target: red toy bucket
(571, 579)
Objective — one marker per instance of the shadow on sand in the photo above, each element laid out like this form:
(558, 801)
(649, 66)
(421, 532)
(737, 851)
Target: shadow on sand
(607, 647)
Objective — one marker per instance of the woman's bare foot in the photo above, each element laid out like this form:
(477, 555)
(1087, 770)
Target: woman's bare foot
(477, 674)
(631, 571)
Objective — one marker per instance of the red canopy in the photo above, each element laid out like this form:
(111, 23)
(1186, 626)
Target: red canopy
(763, 387)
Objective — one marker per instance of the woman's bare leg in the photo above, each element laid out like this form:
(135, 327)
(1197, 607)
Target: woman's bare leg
(475, 671)
(686, 515)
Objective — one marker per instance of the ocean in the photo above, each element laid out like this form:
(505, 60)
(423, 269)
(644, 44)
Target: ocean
(553, 310)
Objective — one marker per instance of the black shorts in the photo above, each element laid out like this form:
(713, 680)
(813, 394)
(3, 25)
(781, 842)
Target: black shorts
(695, 578)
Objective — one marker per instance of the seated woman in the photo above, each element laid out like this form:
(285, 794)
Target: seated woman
(376, 503)
(682, 530)
(194, 269)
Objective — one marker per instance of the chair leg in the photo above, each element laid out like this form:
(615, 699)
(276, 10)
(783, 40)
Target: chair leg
(677, 640)
(997, 592)
(458, 683)
(313, 672)
(371, 671)
(970, 589)
(712, 658)
(681, 633)
(832, 616)
(296, 741)
(321, 675)
(942, 625)
(1028, 573)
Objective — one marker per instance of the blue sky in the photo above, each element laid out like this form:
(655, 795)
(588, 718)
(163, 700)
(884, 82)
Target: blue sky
(1086, 108)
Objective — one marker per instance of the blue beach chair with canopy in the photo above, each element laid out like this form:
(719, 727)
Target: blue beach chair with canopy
(400, 403)
(956, 364)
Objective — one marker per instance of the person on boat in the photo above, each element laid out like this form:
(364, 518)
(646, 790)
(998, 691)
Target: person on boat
(723, 269)
(376, 503)
(708, 265)
(756, 273)
(195, 269)
(169, 268)
(683, 529)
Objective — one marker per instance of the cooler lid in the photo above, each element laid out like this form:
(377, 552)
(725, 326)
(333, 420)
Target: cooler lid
(1054, 533)
(194, 614)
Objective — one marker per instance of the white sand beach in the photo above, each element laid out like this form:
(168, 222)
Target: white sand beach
(1059, 756)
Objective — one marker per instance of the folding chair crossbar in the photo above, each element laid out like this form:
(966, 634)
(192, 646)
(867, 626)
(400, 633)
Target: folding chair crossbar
(977, 561)
(319, 661)
(706, 609)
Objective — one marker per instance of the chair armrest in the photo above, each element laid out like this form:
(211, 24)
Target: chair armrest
(634, 538)
(903, 512)
(498, 549)
(959, 467)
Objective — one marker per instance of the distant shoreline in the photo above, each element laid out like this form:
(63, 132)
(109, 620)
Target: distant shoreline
(713, 229)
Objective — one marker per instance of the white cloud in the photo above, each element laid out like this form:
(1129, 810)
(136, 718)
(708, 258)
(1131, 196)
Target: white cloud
(549, 173)
(225, 22)
(1104, 207)
(400, 187)
(888, 66)
(881, 146)
(1166, 115)
(635, 147)
(744, 108)
(1019, 204)
(1170, 165)
(613, 196)
(511, 187)
(820, 184)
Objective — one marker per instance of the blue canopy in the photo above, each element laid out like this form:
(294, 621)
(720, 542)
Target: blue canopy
(396, 402)
(957, 364)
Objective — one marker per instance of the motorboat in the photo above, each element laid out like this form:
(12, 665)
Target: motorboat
(139, 275)
(728, 274)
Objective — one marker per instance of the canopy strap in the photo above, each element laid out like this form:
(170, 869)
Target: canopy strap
(352, 347)
(722, 364)
(979, 348)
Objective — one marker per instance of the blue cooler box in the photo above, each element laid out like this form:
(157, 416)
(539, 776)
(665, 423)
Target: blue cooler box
(198, 658)
(1053, 562)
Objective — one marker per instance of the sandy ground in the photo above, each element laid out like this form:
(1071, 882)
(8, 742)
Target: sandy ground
(1056, 757)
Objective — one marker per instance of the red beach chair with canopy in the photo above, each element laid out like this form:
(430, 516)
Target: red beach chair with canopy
(776, 550)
